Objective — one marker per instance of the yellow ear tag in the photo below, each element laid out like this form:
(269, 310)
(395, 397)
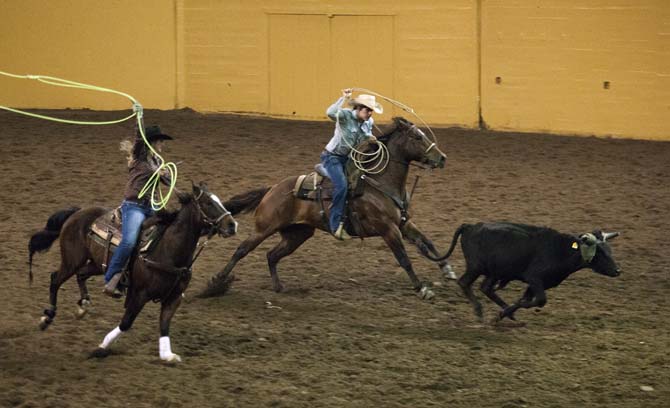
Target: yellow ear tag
(574, 245)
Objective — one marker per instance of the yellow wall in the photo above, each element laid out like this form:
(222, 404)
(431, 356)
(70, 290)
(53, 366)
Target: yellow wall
(288, 56)
(284, 56)
(122, 44)
(553, 57)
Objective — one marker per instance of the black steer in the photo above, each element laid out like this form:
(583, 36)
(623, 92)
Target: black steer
(541, 257)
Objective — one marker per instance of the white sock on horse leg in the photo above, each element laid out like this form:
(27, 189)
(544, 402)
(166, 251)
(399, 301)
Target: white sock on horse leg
(164, 349)
(110, 337)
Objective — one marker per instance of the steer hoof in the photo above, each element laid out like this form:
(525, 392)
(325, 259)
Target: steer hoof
(507, 312)
(425, 293)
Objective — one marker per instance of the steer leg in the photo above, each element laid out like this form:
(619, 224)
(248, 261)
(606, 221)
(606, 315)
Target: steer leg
(487, 289)
(535, 296)
(465, 282)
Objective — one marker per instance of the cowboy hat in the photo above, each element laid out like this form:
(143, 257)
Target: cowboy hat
(368, 101)
(154, 133)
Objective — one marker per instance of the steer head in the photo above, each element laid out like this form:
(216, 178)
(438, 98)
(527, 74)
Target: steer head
(597, 254)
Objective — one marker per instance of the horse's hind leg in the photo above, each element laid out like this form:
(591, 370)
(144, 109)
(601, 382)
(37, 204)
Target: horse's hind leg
(84, 302)
(219, 283)
(292, 237)
(168, 310)
(57, 279)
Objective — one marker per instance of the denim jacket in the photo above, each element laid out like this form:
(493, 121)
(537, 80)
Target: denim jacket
(349, 131)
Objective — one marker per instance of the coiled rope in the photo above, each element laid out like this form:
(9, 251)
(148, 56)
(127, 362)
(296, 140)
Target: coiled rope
(375, 162)
(153, 183)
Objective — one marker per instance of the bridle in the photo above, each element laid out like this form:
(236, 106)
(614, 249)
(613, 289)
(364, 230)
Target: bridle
(212, 223)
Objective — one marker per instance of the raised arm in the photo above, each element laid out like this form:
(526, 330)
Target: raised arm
(334, 111)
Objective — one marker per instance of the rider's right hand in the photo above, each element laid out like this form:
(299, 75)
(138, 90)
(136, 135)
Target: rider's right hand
(347, 92)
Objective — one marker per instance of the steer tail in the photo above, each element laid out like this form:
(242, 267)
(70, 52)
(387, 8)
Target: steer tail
(42, 240)
(454, 240)
(247, 201)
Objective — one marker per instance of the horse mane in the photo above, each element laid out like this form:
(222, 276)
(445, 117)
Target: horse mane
(167, 217)
(398, 122)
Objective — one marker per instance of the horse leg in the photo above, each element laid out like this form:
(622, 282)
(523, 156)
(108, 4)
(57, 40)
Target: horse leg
(292, 237)
(411, 233)
(393, 239)
(57, 279)
(135, 302)
(465, 282)
(84, 302)
(168, 310)
(220, 282)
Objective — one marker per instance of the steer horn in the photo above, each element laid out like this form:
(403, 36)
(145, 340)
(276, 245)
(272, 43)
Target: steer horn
(609, 235)
(588, 239)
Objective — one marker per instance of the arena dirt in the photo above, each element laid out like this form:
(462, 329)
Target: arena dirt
(349, 331)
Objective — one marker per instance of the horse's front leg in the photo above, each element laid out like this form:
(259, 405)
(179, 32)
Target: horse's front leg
(168, 309)
(412, 234)
(393, 239)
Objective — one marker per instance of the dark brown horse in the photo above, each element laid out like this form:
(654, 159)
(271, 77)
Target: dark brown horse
(382, 210)
(163, 275)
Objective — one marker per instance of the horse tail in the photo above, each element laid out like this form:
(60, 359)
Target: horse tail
(459, 231)
(42, 240)
(247, 201)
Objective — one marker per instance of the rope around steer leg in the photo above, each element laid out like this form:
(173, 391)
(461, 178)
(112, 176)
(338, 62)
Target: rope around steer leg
(138, 112)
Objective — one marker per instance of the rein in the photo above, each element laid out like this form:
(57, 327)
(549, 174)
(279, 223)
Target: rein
(402, 204)
(185, 271)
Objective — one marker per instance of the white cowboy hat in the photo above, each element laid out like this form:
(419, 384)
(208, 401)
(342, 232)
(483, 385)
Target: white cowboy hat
(368, 101)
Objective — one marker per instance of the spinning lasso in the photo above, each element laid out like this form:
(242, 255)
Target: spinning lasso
(376, 162)
(138, 112)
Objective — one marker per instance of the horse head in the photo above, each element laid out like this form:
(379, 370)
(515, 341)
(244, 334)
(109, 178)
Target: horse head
(406, 141)
(214, 216)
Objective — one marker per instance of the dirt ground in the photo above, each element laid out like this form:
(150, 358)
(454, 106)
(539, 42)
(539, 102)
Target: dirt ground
(349, 331)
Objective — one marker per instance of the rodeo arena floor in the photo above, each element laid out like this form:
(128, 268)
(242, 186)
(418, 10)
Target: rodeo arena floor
(349, 329)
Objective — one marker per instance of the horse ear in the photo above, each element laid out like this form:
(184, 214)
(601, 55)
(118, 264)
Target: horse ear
(196, 189)
(203, 185)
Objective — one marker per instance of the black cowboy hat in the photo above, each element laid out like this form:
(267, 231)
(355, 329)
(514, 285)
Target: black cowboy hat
(154, 133)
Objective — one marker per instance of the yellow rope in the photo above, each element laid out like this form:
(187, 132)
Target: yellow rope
(154, 181)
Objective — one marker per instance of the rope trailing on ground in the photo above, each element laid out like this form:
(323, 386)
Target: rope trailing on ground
(153, 183)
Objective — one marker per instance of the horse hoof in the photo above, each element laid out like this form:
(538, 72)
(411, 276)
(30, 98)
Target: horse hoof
(426, 294)
(100, 353)
(80, 312)
(278, 288)
(448, 272)
(172, 359)
(44, 323)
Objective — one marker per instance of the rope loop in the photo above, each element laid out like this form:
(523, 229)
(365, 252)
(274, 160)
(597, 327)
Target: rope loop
(153, 183)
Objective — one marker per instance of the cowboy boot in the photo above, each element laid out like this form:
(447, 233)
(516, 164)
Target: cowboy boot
(341, 234)
(110, 287)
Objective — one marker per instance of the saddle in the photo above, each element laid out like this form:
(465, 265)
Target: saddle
(106, 231)
(306, 185)
(316, 186)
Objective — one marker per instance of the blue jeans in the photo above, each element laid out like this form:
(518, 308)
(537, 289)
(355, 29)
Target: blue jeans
(334, 165)
(132, 217)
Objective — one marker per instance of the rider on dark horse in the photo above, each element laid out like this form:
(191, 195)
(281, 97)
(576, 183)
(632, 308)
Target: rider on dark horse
(142, 164)
(353, 126)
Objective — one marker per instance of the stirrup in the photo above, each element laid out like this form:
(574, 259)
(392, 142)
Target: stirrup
(111, 289)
